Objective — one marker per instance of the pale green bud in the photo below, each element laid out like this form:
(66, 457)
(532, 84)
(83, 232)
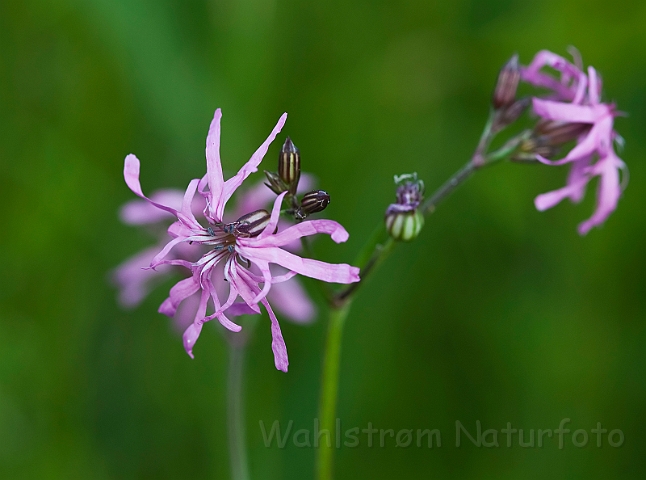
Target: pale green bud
(404, 226)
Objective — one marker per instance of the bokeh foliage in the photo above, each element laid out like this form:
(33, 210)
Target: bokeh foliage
(497, 313)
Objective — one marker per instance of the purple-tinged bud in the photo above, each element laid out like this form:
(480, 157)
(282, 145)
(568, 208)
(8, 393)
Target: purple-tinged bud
(410, 190)
(505, 92)
(252, 224)
(508, 115)
(547, 137)
(551, 132)
(529, 148)
(312, 202)
(289, 165)
(275, 183)
(403, 219)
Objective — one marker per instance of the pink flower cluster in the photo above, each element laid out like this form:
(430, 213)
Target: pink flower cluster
(576, 98)
(241, 252)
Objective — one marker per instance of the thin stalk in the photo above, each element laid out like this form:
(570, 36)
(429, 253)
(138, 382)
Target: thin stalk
(448, 187)
(329, 390)
(374, 252)
(235, 400)
(478, 160)
(235, 417)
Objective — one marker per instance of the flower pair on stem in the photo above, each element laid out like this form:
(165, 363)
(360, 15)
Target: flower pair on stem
(233, 263)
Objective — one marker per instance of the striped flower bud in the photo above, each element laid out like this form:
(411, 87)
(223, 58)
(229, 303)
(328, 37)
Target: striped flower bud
(312, 202)
(252, 224)
(505, 92)
(403, 219)
(289, 165)
(275, 183)
(404, 225)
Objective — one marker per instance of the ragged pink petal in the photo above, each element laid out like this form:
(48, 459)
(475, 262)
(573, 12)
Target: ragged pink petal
(595, 86)
(247, 169)
(267, 280)
(571, 85)
(140, 212)
(214, 177)
(244, 285)
(579, 176)
(190, 336)
(273, 220)
(550, 199)
(131, 176)
(178, 293)
(277, 342)
(564, 112)
(327, 272)
(608, 193)
(295, 232)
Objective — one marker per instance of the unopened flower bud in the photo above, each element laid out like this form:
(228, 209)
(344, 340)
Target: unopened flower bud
(404, 225)
(551, 132)
(403, 219)
(547, 137)
(312, 202)
(252, 224)
(275, 183)
(505, 92)
(530, 147)
(289, 165)
(511, 113)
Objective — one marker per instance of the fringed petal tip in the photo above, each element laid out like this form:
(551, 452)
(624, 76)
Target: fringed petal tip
(545, 201)
(354, 274)
(131, 168)
(277, 342)
(280, 351)
(340, 235)
(585, 227)
(228, 324)
(190, 336)
(167, 308)
(574, 192)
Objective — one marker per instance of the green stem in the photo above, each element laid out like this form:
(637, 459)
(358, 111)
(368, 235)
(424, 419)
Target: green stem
(329, 389)
(448, 187)
(235, 405)
(372, 254)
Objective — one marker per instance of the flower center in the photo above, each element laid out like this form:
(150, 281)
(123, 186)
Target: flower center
(222, 236)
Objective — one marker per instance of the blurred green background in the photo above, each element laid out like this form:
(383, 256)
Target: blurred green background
(498, 313)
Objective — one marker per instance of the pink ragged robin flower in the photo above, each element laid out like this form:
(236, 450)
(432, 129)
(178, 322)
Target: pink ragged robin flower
(577, 100)
(240, 251)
